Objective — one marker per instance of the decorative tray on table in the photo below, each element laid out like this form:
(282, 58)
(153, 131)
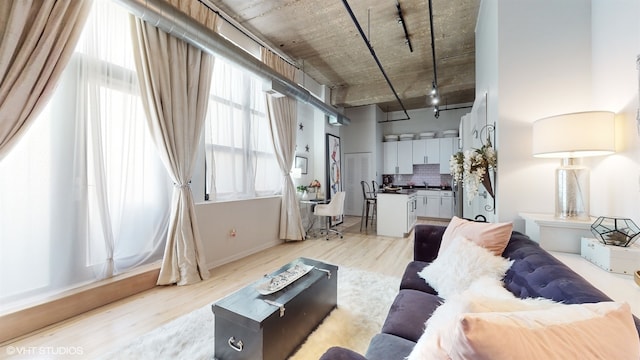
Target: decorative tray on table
(280, 281)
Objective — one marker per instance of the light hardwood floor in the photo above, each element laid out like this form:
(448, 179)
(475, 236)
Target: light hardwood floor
(102, 330)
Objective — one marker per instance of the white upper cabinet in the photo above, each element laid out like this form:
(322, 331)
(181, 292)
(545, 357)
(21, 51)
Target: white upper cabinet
(397, 157)
(426, 151)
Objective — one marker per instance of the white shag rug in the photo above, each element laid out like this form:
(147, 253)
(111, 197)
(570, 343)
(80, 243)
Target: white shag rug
(364, 299)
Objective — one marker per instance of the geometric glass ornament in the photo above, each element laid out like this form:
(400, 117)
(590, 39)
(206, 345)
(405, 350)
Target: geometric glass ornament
(615, 231)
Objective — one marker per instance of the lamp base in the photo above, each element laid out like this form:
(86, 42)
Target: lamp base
(572, 191)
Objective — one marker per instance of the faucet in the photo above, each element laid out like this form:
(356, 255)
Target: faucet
(425, 184)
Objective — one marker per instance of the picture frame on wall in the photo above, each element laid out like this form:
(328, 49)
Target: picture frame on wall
(334, 172)
(302, 163)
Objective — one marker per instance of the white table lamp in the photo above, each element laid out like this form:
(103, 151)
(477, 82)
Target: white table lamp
(570, 137)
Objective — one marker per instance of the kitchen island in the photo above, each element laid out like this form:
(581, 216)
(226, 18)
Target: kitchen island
(396, 212)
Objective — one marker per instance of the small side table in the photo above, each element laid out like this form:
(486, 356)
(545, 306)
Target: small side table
(310, 204)
(555, 234)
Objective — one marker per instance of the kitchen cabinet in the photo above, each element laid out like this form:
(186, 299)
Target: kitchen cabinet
(448, 146)
(428, 203)
(397, 157)
(435, 204)
(426, 151)
(396, 213)
(447, 204)
(412, 216)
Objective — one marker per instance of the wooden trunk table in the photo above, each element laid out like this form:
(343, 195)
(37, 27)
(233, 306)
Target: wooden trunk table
(251, 326)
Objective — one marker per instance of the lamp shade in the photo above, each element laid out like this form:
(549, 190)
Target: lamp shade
(575, 135)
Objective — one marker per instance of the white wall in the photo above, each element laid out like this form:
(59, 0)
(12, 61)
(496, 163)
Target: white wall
(359, 138)
(423, 120)
(256, 224)
(616, 44)
(551, 59)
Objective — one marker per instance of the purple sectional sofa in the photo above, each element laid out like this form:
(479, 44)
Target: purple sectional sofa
(534, 273)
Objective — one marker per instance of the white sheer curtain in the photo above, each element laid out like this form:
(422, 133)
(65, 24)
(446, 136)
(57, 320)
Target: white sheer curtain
(84, 194)
(126, 186)
(241, 163)
(283, 127)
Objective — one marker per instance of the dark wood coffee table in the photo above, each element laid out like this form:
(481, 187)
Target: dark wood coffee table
(250, 326)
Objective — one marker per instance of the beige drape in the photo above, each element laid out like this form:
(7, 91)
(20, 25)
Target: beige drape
(175, 79)
(37, 39)
(283, 125)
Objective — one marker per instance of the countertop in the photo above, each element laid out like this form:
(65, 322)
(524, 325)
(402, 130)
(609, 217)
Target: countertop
(400, 192)
(422, 187)
(408, 190)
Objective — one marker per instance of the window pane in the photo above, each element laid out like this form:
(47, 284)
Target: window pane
(85, 186)
(239, 152)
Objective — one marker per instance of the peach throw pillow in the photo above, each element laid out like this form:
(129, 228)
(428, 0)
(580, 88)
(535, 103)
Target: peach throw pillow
(491, 236)
(583, 331)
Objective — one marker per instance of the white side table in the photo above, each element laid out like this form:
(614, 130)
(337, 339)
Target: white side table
(619, 287)
(555, 234)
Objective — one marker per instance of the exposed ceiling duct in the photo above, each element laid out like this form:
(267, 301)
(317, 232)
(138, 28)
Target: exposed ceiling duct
(173, 21)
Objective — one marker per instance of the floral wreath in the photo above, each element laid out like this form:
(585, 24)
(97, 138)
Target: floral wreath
(470, 168)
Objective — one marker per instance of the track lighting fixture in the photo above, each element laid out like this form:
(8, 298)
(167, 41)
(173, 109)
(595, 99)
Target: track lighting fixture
(435, 92)
(401, 21)
(436, 112)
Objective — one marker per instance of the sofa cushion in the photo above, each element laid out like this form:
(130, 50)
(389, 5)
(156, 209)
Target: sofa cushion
(593, 331)
(340, 353)
(491, 236)
(387, 347)
(408, 313)
(536, 273)
(460, 264)
(411, 279)
(429, 238)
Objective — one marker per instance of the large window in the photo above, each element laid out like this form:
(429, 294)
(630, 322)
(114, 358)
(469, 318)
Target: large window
(239, 153)
(84, 194)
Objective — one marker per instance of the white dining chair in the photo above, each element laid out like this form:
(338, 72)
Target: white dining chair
(334, 208)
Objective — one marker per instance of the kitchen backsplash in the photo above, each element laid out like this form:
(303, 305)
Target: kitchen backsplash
(429, 174)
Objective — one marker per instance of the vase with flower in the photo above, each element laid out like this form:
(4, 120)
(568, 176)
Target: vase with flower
(315, 187)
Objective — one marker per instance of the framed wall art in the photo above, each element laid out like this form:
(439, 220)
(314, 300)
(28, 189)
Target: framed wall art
(334, 171)
(302, 163)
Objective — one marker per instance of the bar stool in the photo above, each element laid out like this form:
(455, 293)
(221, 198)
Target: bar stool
(369, 204)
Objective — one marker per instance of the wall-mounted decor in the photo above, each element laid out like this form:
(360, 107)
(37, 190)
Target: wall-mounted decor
(302, 163)
(334, 171)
